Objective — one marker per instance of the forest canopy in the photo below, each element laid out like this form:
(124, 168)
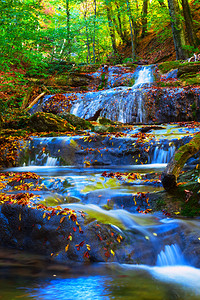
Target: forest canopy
(92, 31)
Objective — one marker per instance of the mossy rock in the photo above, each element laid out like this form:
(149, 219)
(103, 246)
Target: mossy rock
(168, 65)
(45, 122)
(178, 64)
(186, 69)
(77, 122)
(190, 79)
(105, 121)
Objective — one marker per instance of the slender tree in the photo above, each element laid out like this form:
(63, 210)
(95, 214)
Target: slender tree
(177, 30)
(191, 34)
(144, 18)
(68, 28)
(131, 30)
(94, 31)
(111, 27)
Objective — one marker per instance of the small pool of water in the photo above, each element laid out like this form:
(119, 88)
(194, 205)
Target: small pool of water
(24, 276)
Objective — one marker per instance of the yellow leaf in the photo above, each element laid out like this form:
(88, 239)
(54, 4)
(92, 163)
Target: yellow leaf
(112, 252)
(66, 248)
(119, 238)
(44, 215)
(87, 163)
(88, 247)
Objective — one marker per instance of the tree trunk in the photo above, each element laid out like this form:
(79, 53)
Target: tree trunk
(144, 18)
(170, 174)
(120, 31)
(94, 31)
(131, 29)
(192, 38)
(68, 29)
(87, 38)
(111, 29)
(177, 30)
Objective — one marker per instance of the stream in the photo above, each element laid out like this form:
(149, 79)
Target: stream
(74, 171)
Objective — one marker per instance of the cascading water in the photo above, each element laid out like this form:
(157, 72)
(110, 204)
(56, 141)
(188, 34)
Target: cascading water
(118, 104)
(87, 190)
(144, 77)
(171, 256)
(51, 161)
(161, 154)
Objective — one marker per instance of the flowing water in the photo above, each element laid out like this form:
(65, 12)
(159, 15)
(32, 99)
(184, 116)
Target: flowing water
(121, 104)
(60, 161)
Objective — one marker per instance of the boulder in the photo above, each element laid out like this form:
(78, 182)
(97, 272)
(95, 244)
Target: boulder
(185, 69)
(171, 173)
(77, 122)
(46, 122)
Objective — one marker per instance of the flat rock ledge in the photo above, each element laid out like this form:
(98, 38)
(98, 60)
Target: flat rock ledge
(66, 236)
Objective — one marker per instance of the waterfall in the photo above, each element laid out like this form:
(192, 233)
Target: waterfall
(123, 104)
(162, 155)
(170, 256)
(145, 77)
(43, 159)
(51, 161)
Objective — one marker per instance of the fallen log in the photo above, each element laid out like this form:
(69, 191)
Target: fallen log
(35, 100)
(171, 172)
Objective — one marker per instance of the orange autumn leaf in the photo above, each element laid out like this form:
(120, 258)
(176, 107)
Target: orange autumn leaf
(66, 248)
(62, 219)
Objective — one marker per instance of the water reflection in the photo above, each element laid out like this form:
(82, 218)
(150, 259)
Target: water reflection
(72, 288)
(98, 281)
(136, 284)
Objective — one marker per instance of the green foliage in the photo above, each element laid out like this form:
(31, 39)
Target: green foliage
(169, 65)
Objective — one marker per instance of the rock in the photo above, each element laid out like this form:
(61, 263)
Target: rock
(74, 80)
(185, 69)
(77, 122)
(55, 102)
(171, 173)
(67, 239)
(45, 122)
(96, 115)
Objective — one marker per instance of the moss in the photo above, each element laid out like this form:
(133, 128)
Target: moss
(105, 218)
(48, 122)
(105, 121)
(75, 121)
(191, 79)
(190, 148)
(171, 65)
